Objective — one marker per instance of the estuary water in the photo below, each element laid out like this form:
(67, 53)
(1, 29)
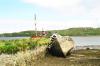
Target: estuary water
(86, 40)
(79, 40)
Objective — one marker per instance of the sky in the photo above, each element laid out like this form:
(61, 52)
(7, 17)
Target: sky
(18, 15)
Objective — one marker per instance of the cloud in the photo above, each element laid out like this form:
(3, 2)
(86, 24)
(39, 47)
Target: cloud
(95, 13)
(62, 7)
(15, 25)
(87, 10)
(53, 3)
(55, 25)
(70, 7)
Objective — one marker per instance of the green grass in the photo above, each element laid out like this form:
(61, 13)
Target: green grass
(13, 46)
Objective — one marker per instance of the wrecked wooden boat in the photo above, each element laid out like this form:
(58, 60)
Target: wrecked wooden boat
(60, 45)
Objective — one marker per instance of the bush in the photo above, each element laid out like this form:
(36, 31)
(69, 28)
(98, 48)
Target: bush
(32, 46)
(9, 49)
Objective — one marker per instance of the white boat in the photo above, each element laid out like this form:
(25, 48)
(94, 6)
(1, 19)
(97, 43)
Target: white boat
(60, 45)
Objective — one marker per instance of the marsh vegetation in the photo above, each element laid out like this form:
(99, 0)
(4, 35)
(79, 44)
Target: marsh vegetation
(13, 46)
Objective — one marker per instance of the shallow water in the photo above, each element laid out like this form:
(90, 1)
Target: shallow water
(84, 41)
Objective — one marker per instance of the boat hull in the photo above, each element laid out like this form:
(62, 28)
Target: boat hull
(61, 46)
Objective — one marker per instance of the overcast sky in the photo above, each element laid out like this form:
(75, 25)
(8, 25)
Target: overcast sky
(18, 15)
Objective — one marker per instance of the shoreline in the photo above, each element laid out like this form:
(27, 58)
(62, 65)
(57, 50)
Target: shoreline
(87, 47)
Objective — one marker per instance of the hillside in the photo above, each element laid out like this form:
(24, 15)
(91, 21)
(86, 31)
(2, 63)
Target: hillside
(83, 31)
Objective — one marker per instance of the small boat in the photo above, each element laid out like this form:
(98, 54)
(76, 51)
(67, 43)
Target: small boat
(60, 45)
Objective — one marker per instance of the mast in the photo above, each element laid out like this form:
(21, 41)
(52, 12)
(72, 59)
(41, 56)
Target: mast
(35, 25)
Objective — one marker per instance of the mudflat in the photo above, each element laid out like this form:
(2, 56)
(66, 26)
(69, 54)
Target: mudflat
(82, 57)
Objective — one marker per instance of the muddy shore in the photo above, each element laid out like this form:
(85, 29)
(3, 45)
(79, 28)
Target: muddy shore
(82, 57)
(77, 58)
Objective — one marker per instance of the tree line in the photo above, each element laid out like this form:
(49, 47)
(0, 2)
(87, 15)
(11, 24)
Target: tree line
(82, 31)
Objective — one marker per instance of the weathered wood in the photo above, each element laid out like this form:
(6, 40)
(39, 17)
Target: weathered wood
(60, 45)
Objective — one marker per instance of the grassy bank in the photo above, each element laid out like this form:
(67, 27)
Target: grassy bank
(22, 52)
(26, 58)
(13, 46)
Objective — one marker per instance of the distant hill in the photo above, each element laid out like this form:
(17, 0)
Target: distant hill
(82, 31)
